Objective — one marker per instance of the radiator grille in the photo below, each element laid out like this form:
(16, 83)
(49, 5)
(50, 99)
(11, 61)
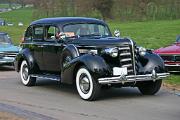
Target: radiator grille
(126, 57)
(171, 58)
(8, 54)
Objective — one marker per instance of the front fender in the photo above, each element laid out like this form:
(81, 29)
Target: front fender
(95, 64)
(24, 54)
(149, 62)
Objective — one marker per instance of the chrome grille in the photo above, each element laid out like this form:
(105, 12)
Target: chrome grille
(171, 58)
(126, 57)
(10, 54)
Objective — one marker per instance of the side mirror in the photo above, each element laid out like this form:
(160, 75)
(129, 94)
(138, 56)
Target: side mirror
(178, 38)
(117, 33)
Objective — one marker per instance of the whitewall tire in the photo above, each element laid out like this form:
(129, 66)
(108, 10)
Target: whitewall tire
(87, 87)
(26, 79)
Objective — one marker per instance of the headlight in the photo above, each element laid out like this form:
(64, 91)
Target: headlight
(113, 52)
(142, 51)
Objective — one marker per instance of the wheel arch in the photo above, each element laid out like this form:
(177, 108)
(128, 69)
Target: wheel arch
(95, 64)
(151, 61)
(25, 54)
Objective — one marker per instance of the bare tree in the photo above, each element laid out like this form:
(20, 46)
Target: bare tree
(104, 7)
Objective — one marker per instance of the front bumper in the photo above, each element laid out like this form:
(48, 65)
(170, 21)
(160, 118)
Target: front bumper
(7, 61)
(133, 78)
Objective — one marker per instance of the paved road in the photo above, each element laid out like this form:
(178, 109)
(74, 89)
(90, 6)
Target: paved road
(49, 101)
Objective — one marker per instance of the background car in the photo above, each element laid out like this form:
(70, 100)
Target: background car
(171, 56)
(2, 22)
(8, 51)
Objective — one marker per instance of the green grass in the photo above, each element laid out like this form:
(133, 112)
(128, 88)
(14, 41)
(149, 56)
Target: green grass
(4, 6)
(16, 16)
(152, 34)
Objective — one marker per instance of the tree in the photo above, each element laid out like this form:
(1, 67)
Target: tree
(104, 7)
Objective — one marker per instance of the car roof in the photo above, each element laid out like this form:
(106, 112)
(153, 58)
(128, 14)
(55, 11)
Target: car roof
(66, 20)
(3, 33)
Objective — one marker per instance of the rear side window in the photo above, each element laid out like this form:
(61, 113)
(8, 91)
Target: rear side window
(38, 33)
(28, 34)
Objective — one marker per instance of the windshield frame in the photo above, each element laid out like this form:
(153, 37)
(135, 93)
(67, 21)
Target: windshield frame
(104, 25)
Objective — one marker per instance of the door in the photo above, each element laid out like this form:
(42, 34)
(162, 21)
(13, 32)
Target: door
(52, 49)
(37, 46)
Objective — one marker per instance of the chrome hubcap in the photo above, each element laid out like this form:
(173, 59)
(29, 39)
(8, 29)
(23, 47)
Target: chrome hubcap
(84, 84)
(25, 72)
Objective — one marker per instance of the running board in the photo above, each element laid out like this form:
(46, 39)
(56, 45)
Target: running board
(47, 76)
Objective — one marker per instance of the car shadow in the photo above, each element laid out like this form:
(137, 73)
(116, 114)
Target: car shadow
(6, 68)
(112, 93)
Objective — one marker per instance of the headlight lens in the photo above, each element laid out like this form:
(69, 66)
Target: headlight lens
(113, 52)
(142, 51)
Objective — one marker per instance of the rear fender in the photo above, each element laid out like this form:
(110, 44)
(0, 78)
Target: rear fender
(25, 54)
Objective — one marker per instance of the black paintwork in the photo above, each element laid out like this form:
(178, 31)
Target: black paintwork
(62, 57)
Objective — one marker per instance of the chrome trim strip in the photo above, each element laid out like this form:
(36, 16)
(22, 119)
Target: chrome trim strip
(46, 77)
(127, 65)
(133, 78)
(133, 50)
(169, 65)
(126, 59)
(125, 54)
(123, 48)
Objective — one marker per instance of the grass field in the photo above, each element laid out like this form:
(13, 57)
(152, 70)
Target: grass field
(152, 34)
(16, 16)
(4, 6)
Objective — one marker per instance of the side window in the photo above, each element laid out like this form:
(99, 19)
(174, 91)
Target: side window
(38, 33)
(52, 33)
(28, 34)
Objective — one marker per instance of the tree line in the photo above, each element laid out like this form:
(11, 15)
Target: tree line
(124, 10)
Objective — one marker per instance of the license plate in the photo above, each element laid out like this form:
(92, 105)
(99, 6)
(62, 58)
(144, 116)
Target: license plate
(119, 71)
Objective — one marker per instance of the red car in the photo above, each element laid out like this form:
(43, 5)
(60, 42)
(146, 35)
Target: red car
(171, 56)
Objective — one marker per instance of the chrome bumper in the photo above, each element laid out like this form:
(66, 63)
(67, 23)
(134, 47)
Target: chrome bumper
(172, 65)
(133, 78)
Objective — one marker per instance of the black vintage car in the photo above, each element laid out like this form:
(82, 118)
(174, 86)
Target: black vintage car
(82, 51)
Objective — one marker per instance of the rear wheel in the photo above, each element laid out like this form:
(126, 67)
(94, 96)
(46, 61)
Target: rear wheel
(87, 87)
(150, 87)
(26, 79)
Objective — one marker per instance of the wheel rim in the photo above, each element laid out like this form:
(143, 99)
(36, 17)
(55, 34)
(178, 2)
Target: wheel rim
(25, 72)
(84, 83)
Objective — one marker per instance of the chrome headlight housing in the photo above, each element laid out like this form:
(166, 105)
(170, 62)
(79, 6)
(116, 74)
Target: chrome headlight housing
(113, 52)
(142, 51)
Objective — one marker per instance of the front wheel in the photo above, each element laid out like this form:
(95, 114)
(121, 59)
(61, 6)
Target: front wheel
(26, 79)
(150, 87)
(87, 87)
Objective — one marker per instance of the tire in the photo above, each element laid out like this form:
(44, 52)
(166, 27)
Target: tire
(26, 79)
(87, 87)
(150, 87)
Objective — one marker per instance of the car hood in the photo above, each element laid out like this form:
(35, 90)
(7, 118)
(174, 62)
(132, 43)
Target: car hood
(9, 48)
(172, 49)
(102, 42)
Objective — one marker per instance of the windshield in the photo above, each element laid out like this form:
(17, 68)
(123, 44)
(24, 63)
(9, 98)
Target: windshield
(86, 30)
(4, 39)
